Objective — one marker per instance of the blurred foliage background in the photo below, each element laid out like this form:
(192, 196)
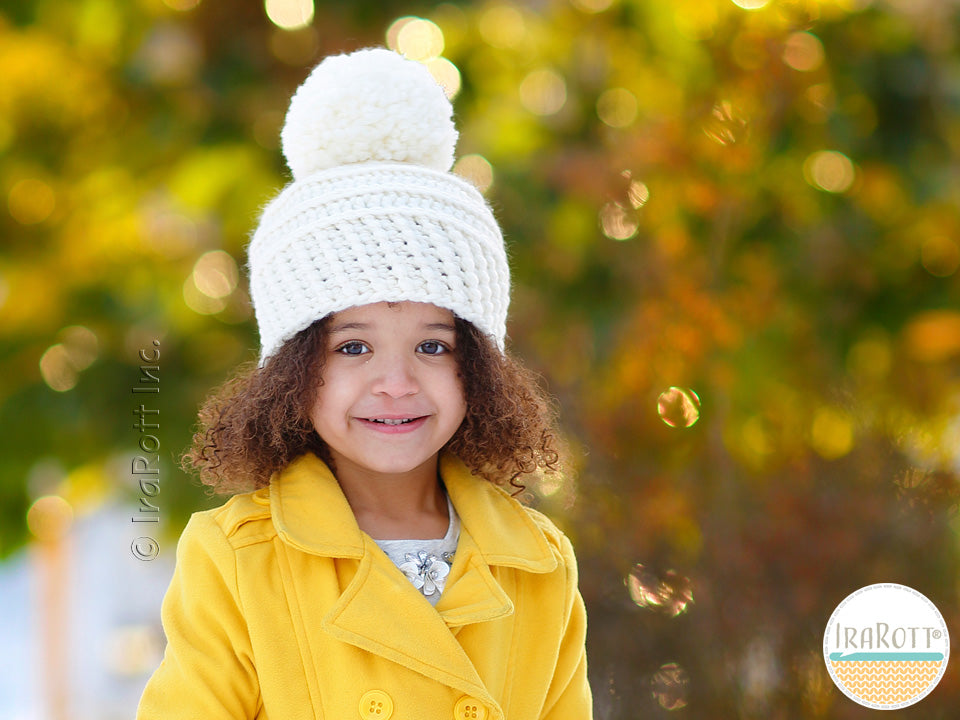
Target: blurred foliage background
(735, 240)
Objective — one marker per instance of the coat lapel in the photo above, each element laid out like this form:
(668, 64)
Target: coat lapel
(383, 613)
(472, 594)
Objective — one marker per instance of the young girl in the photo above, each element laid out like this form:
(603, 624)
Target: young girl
(377, 569)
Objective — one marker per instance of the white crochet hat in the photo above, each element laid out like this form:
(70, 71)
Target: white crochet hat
(373, 213)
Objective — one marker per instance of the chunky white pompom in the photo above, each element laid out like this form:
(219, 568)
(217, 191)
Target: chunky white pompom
(366, 106)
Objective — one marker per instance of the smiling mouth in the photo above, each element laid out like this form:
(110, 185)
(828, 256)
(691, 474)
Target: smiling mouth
(392, 421)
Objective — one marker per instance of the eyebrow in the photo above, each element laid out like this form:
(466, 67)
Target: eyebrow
(348, 326)
(342, 327)
(441, 326)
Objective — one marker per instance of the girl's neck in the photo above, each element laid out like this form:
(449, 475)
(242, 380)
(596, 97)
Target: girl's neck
(396, 506)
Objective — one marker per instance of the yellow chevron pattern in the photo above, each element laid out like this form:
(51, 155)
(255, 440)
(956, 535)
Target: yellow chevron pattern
(887, 682)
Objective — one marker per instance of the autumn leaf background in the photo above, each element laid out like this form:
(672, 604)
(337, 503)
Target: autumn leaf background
(735, 243)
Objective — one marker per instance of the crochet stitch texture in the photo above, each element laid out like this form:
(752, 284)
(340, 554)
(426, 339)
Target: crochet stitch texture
(373, 213)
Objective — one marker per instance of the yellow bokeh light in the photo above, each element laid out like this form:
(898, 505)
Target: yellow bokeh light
(933, 336)
(726, 125)
(200, 302)
(502, 26)
(57, 370)
(171, 55)
(86, 486)
(169, 233)
(940, 256)
(289, 14)
(81, 345)
(831, 433)
(477, 170)
(755, 438)
(420, 39)
(617, 107)
(215, 274)
(49, 518)
(803, 51)
(618, 222)
(871, 357)
(393, 32)
(751, 4)
(679, 407)
(31, 201)
(638, 194)
(830, 171)
(543, 92)
(446, 74)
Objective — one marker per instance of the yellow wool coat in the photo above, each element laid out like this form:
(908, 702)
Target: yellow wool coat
(281, 607)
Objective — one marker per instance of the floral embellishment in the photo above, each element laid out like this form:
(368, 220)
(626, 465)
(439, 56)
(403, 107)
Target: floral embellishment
(427, 572)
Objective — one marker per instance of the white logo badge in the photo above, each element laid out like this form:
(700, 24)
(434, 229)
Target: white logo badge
(886, 646)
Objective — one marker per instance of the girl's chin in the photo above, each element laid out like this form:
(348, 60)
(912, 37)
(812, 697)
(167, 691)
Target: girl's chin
(380, 463)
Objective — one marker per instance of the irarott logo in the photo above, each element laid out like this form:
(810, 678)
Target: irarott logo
(886, 646)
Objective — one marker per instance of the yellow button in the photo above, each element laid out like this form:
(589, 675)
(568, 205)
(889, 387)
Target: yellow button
(468, 708)
(376, 705)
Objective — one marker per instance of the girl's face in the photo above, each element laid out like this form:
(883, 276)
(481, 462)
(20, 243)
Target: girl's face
(391, 396)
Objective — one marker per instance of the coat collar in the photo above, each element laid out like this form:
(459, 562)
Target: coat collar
(311, 513)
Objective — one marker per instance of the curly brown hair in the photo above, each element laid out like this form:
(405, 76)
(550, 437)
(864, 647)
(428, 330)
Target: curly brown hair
(258, 421)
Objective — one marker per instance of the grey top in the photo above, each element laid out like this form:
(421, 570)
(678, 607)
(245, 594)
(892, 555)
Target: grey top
(426, 563)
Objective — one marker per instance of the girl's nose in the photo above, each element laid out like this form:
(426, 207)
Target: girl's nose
(395, 377)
